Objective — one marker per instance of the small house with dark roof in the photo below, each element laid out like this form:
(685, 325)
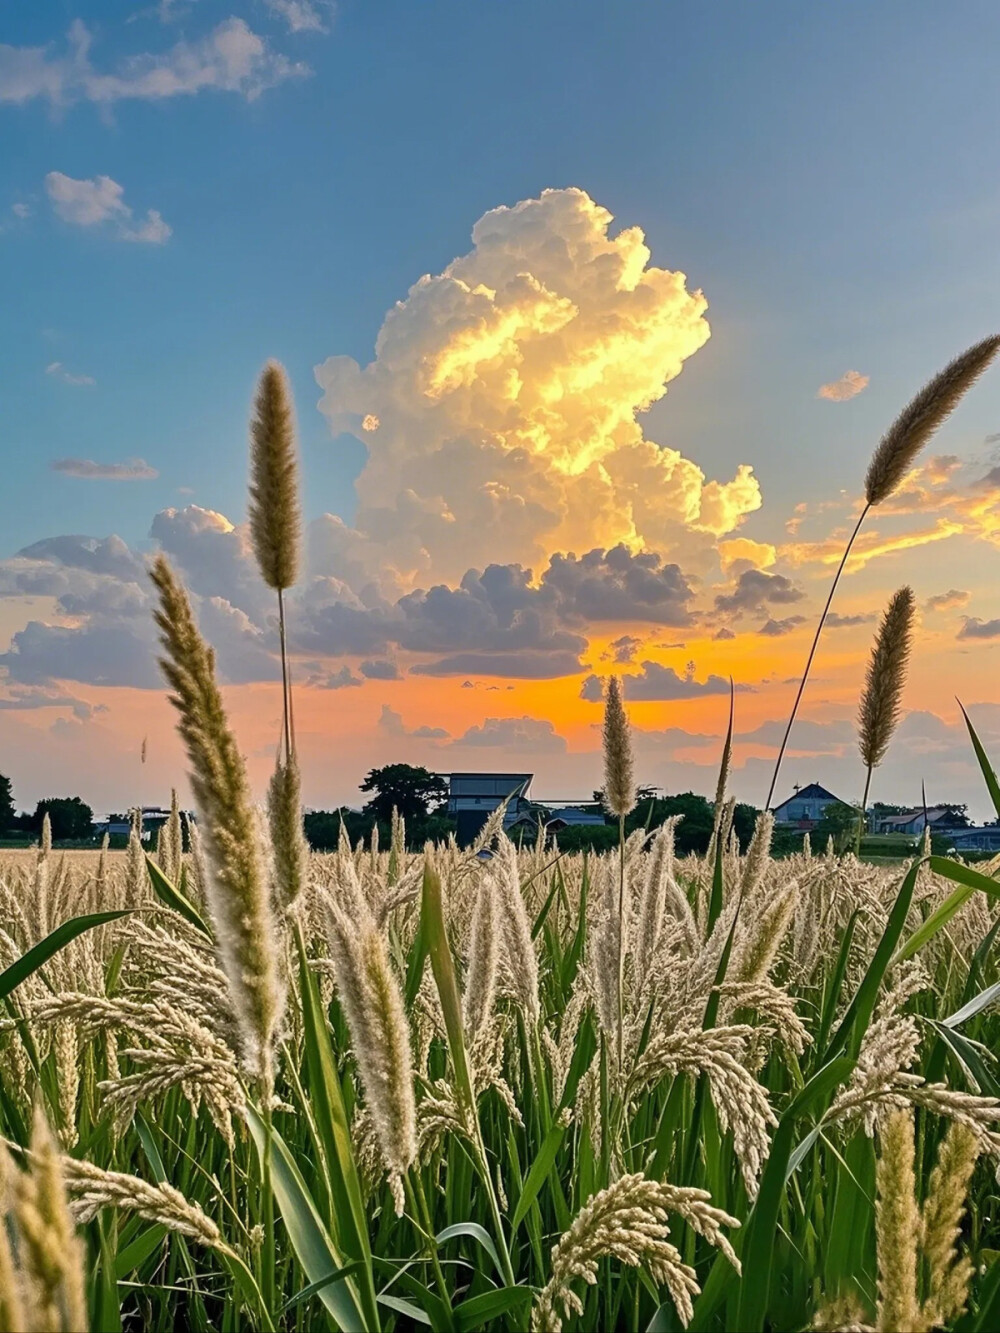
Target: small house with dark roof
(804, 808)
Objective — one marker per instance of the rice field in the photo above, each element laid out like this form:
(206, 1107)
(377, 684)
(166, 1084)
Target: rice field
(782, 1115)
(496, 1088)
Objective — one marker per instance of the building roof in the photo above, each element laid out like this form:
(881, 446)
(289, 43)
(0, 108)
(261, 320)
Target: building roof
(572, 814)
(812, 791)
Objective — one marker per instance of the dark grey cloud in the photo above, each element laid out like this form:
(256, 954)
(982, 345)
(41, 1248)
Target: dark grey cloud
(755, 589)
(774, 629)
(624, 648)
(380, 669)
(526, 665)
(515, 733)
(619, 585)
(835, 620)
(659, 683)
(974, 628)
(91, 654)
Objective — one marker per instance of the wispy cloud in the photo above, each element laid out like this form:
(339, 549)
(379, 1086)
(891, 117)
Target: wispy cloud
(231, 58)
(98, 200)
(304, 15)
(59, 372)
(135, 469)
(850, 384)
(947, 601)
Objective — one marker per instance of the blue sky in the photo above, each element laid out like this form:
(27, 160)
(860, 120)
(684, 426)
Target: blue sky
(827, 174)
(189, 188)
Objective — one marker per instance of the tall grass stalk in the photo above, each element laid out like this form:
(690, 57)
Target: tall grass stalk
(893, 457)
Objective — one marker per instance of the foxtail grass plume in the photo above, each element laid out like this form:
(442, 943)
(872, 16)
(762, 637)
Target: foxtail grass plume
(380, 1035)
(921, 417)
(481, 969)
(284, 812)
(619, 781)
(275, 518)
(238, 892)
(885, 679)
(170, 848)
(892, 459)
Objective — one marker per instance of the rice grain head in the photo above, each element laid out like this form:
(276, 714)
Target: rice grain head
(897, 1227)
(921, 417)
(948, 1274)
(275, 516)
(885, 678)
(51, 1256)
(238, 891)
(619, 780)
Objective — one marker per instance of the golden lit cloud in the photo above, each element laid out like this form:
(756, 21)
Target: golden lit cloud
(848, 386)
(740, 553)
(506, 392)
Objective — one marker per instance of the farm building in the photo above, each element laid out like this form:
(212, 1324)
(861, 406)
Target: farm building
(804, 808)
(472, 798)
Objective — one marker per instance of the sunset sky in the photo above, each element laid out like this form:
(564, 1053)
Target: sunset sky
(593, 313)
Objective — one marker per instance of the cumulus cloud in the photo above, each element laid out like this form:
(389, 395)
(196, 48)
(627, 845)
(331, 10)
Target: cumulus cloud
(776, 629)
(619, 585)
(624, 648)
(339, 680)
(835, 620)
(380, 669)
(135, 469)
(657, 683)
(740, 553)
(392, 724)
(506, 392)
(947, 601)
(974, 628)
(754, 589)
(58, 371)
(31, 699)
(88, 203)
(532, 734)
(850, 384)
(231, 58)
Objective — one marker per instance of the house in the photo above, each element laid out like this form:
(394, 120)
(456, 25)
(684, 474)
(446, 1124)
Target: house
(472, 798)
(153, 819)
(556, 818)
(804, 808)
(985, 839)
(941, 818)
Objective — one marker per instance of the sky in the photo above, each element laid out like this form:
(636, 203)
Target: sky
(593, 315)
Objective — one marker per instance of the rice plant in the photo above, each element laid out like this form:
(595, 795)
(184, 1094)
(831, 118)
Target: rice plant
(250, 1087)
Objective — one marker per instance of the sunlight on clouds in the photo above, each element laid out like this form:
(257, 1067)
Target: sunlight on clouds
(848, 386)
(506, 391)
(740, 553)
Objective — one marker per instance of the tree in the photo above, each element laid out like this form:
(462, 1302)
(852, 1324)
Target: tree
(322, 827)
(838, 821)
(414, 792)
(71, 818)
(6, 804)
(694, 832)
